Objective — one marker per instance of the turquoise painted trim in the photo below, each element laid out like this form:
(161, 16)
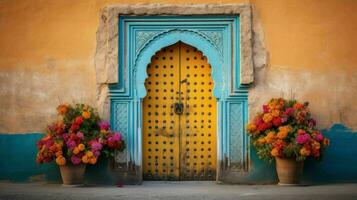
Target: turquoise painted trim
(218, 38)
(169, 38)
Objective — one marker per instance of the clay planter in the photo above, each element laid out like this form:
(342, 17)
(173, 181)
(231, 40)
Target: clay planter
(72, 175)
(289, 170)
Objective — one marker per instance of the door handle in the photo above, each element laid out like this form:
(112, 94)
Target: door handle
(178, 108)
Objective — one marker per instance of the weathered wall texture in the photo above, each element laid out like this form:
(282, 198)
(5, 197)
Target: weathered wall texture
(48, 47)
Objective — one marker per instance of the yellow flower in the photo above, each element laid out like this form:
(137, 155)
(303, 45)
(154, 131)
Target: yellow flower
(60, 160)
(267, 117)
(86, 114)
(76, 150)
(305, 151)
(275, 152)
(81, 147)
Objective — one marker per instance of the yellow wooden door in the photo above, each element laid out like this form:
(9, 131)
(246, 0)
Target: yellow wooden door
(179, 116)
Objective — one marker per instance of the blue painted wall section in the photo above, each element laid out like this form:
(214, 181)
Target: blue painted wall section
(18, 155)
(18, 162)
(337, 166)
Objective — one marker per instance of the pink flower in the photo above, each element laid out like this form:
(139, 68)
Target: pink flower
(80, 135)
(303, 139)
(289, 111)
(284, 119)
(265, 108)
(65, 136)
(96, 145)
(96, 153)
(104, 125)
(319, 137)
(49, 143)
(71, 144)
(115, 137)
(75, 160)
(312, 123)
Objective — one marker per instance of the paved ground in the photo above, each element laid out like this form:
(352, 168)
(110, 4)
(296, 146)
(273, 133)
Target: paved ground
(178, 190)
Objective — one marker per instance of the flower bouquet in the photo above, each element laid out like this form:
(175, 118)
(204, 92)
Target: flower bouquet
(76, 139)
(286, 132)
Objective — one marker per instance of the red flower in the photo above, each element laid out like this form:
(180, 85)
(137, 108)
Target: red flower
(74, 127)
(78, 120)
(277, 121)
(264, 126)
(265, 108)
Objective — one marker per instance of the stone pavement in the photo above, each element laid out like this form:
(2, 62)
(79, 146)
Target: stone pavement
(177, 190)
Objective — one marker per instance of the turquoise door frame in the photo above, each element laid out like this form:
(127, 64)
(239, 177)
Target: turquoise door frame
(218, 38)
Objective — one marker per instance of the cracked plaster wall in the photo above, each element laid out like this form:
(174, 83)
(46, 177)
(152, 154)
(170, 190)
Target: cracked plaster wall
(300, 50)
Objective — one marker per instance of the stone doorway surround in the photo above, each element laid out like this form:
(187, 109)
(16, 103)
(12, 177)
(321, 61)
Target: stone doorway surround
(106, 57)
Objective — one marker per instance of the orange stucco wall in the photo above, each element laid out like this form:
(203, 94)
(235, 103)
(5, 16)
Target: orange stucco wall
(47, 56)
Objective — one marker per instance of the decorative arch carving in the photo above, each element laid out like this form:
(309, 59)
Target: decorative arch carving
(167, 38)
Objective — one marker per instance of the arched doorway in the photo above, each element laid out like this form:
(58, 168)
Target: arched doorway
(179, 116)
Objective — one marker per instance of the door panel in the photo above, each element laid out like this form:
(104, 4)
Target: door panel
(198, 124)
(179, 146)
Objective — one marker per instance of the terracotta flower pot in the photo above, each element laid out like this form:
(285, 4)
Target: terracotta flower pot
(289, 170)
(72, 175)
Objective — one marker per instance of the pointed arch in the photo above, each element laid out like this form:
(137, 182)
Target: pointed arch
(171, 37)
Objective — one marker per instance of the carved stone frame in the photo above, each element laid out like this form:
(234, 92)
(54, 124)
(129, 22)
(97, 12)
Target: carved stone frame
(106, 57)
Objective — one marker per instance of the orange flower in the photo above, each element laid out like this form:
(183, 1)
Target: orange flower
(59, 153)
(305, 151)
(81, 147)
(62, 109)
(89, 154)
(53, 148)
(267, 117)
(76, 150)
(86, 114)
(297, 106)
(282, 134)
(270, 138)
(85, 159)
(60, 160)
(285, 128)
(261, 140)
(301, 132)
(250, 127)
(315, 145)
(275, 152)
(93, 160)
(59, 145)
(326, 142)
(275, 113)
